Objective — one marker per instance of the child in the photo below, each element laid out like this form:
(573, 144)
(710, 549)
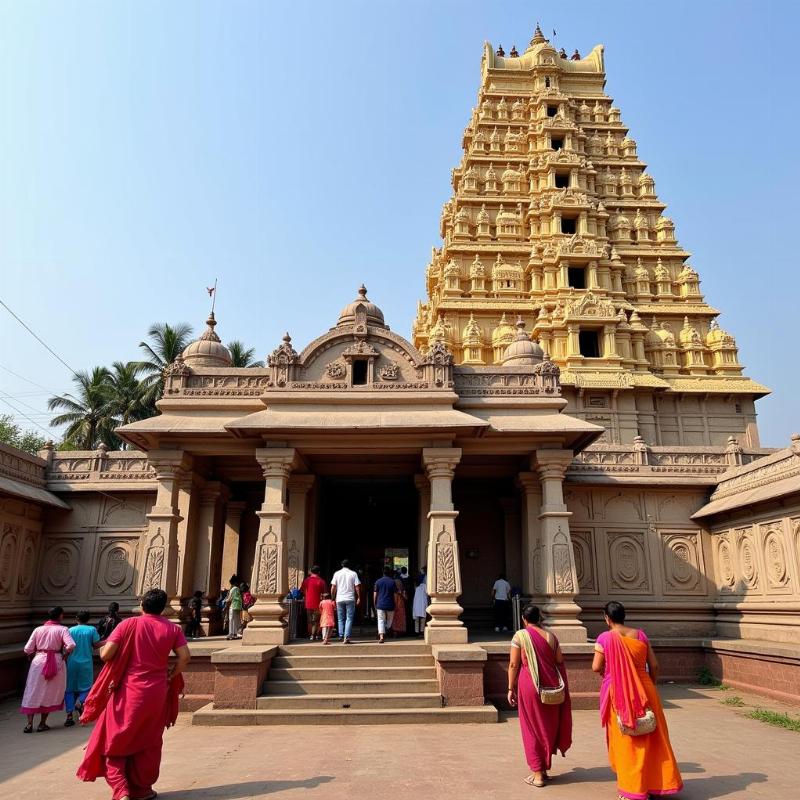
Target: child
(327, 614)
(196, 609)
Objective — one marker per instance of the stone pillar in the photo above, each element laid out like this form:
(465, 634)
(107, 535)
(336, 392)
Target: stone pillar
(230, 544)
(424, 490)
(209, 536)
(559, 578)
(531, 534)
(188, 501)
(160, 561)
(511, 536)
(270, 581)
(299, 486)
(444, 570)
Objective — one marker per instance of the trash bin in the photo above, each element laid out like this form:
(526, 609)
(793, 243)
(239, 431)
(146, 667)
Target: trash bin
(516, 612)
(294, 618)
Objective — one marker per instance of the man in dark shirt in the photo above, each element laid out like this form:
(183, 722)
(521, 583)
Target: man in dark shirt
(384, 592)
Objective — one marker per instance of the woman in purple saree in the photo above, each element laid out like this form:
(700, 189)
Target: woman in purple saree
(537, 663)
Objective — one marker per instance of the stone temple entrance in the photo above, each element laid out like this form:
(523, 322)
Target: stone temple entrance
(367, 520)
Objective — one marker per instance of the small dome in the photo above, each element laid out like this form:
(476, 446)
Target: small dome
(362, 304)
(208, 350)
(719, 337)
(522, 351)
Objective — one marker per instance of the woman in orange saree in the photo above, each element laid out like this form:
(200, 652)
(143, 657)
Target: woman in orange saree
(645, 764)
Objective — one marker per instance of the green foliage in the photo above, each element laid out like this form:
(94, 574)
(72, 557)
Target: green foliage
(706, 678)
(243, 356)
(733, 700)
(104, 398)
(11, 434)
(789, 722)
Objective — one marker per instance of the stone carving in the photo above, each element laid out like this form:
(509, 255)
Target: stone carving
(27, 563)
(360, 348)
(628, 563)
(8, 552)
(154, 563)
(562, 564)
(60, 565)
(445, 569)
(747, 558)
(775, 558)
(335, 370)
(293, 563)
(389, 372)
(583, 550)
(682, 567)
(267, 582)
(727, 573)
(115, 566)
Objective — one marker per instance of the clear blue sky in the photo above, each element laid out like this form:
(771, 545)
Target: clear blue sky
(293, 150)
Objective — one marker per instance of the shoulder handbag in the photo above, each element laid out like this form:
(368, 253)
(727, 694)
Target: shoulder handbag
(549, 695)
(643, 725)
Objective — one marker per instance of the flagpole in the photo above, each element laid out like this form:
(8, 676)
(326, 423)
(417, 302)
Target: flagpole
(214, 296)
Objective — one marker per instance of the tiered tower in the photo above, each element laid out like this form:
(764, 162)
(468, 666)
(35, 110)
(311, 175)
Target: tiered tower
(555, 220)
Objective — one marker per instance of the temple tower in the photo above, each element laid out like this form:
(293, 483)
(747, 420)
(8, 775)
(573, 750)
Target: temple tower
(555, 219)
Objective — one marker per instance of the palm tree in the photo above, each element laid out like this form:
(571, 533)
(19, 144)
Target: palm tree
(166, 343)
(127, 394)
(242, 356)
(86, 414)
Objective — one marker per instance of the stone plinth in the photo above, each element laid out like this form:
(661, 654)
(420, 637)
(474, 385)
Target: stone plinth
(239, 673)
(460, 673)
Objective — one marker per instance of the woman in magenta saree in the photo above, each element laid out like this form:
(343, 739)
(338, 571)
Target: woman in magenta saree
(546, 729)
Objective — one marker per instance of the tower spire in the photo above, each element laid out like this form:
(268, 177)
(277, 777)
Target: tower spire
(538, 36)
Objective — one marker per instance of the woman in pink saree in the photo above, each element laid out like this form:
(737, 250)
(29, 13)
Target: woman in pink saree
(134, 699)
(47, 675)
(546, 729)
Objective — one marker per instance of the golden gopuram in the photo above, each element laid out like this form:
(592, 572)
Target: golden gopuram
(568, 412)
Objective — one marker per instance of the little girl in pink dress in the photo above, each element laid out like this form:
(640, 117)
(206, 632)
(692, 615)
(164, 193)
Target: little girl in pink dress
(327, 617)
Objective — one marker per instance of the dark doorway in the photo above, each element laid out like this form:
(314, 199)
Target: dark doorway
(367, 520)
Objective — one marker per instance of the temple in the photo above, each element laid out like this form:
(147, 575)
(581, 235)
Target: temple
(568, 412)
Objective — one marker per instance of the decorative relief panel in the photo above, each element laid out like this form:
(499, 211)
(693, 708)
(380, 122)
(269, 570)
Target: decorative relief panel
(585, 561)
(8, 556)
(747, 558)
(27, 564)
(115, 566)
(627, 561)
(445, 563)
(683, 565)
(676, 508)
(154, 563)
(562, 563)
(60, 566)
(726, 564)
(124, 512)
(580, 504)
(268, 556)
(623, 507)
(775, 561)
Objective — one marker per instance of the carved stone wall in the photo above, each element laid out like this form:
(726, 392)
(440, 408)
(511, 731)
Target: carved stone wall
(20, 535)
(757, 574)
(92, 554)
(638, 545)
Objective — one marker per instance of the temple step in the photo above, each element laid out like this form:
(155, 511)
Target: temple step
(374, 673)
(208, 715)
(341, 661)
(372, 648)
(350, 701)
(351, 686)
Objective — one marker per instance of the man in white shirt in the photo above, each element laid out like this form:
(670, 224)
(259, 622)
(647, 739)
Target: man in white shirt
(501, 598)
(346, 591)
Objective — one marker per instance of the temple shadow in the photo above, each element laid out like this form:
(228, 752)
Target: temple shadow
(715, 786)
(237, 791)
(583, 775)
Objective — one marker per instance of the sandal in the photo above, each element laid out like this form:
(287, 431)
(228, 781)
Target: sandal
(531, 781)
(69, 723)
(28, 729)
(41, 727)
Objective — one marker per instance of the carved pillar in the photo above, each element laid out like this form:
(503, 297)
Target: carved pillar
(531, 534)
(511, 535)
(559, 577)
(161, 541)
(444, 571)
(230, 544)
(270, 581)
(209, 536)
(424, 490)
(299, 486)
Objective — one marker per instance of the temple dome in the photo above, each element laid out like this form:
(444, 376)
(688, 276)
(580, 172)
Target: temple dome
(503, 334)
(362, 304)
(522, 351)
(208, 350)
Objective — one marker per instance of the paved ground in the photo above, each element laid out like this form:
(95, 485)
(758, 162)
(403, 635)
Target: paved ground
(722, 755)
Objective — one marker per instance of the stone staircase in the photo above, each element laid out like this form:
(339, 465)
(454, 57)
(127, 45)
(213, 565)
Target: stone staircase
(362, 683)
